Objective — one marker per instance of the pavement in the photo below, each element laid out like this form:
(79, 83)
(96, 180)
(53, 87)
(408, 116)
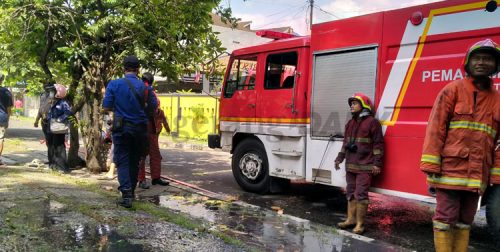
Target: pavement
(42, 210)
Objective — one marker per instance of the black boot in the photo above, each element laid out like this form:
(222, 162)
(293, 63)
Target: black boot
(160, 181)
(126, 200)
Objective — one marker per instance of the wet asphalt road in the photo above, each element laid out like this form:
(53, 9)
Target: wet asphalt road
(390, 219)
(398, 221)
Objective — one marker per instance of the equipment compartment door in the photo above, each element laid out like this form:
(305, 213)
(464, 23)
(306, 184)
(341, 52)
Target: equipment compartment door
(337, 76)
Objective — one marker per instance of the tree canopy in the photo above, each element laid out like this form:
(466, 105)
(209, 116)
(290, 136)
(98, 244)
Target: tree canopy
(81, 44)
(44, 40)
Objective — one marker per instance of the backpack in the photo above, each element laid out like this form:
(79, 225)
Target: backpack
(4, 116)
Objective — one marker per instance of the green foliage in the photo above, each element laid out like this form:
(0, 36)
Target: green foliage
(72, 37)
(81, 44)
(199, 113)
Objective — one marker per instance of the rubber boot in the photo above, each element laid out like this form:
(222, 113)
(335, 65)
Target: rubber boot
(361, 209)
(126, 200)
(351, 215)
(461, 238)
(443, 240)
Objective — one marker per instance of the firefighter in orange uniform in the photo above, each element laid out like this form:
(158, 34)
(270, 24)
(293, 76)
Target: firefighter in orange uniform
(363, 150)
(156, 122)
(459, 143)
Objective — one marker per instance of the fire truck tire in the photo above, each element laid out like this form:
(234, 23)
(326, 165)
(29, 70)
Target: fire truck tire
(250, 166)
(493, 211)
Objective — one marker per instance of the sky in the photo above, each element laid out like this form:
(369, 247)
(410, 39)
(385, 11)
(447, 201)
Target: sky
(295, 13)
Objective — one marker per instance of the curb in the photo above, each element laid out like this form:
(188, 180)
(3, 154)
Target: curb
(184, 146)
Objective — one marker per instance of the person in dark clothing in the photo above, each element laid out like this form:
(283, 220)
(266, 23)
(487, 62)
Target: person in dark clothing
(53, 107)
(5, 112)
(363, 150)
(127, 97)
(43, 112)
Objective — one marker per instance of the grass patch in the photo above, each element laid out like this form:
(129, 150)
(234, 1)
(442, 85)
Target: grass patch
(9, 170)
(166, 215)
(230, 240)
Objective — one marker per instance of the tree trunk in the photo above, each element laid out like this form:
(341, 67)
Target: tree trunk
(96, 161)
(74, 159)
(94, 146)
(91, 130)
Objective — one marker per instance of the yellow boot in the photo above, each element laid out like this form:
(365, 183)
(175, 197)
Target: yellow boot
(351, 215)
(461, 238)
(443, 240)
(361, 209)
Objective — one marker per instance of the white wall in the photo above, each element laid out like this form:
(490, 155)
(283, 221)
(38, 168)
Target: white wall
(235, 39)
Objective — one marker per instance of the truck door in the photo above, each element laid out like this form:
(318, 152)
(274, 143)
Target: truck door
(278, 100)
(238, 99)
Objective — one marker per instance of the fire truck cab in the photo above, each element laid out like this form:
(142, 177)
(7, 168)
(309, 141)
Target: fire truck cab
(283, 105)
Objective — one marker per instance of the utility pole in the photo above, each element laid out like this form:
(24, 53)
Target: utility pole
(311, 6)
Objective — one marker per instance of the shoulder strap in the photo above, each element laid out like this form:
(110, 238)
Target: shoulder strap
(353, 139)
(146, 91)
(135, 92)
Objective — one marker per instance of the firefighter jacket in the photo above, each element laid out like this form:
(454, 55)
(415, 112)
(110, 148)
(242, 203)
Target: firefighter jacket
(160, 121)
(157, 122)
(364, 132)
(460, 138)
(495, 170)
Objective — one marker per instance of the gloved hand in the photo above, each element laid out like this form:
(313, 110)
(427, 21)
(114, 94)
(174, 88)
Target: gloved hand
(337, 165)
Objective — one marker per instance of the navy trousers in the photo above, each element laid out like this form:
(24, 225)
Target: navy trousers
(129, 144)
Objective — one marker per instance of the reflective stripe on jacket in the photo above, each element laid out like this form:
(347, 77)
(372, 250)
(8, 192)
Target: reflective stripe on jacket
(460, 137)
(495, 170)
(366, 133)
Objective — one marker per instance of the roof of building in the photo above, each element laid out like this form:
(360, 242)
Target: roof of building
(217, 21)
(245, 25)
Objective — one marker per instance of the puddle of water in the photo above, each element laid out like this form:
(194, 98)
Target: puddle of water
(90, 237)
(267, 229)
(69, 231)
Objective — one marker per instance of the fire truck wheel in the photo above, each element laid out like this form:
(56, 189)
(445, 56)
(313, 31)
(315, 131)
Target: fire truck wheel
(250, 166)
(493, 211)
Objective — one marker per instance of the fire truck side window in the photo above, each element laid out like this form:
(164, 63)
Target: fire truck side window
(241, 76)
(280, 70)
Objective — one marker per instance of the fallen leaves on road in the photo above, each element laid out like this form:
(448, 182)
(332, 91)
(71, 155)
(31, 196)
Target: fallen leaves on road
(278, 209)
(231, 198)
(108, 188)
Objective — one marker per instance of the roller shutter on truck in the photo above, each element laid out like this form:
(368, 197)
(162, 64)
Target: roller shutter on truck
(337, 75)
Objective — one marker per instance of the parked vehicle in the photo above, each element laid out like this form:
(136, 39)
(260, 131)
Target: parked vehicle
(283, 104)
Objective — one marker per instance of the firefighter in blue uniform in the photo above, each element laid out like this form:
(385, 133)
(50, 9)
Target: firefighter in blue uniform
(127, 98)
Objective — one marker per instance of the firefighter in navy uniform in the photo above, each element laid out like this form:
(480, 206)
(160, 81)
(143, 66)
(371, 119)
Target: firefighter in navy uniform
(363, 150)
(459, 144)
(125, 97)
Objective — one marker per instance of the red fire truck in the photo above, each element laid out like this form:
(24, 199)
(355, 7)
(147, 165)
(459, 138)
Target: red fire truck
(283, 105)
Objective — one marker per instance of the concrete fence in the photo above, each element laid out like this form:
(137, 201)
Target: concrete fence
(189, 115)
